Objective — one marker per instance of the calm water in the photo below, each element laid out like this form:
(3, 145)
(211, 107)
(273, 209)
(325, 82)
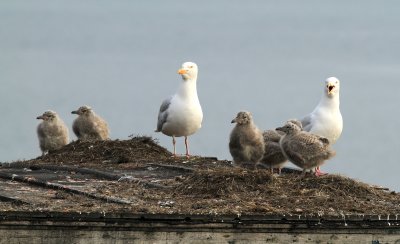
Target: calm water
(268, 57)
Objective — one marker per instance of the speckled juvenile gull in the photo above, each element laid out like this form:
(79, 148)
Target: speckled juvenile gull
(326, 119)
(304, 149)
(273, 157)
(52, 132)
(89, 126)
(181, 114)
(246, 143)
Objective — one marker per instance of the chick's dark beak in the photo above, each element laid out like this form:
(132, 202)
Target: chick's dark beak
(39, 117)
(74, 112)
(233, 121)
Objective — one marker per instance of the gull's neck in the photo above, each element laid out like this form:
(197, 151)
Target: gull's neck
(188, 89)
(331, 102)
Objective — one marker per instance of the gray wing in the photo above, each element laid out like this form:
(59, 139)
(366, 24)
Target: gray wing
(163, 114)
(306, 122)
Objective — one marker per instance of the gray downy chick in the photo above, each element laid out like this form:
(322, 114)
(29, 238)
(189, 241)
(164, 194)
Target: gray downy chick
(304, 149)
(273, 157)
(52, 132)
(246, 143)
(88, 126)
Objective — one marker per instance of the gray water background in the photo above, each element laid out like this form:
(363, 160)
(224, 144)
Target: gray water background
(268, 57)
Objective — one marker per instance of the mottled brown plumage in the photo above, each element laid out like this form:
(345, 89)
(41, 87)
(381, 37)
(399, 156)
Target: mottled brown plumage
(52, 132)
(89, 126)
(273, 157)
(246, 143)
(304, 149)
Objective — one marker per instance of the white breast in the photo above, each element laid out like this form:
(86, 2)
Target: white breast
(184, 117)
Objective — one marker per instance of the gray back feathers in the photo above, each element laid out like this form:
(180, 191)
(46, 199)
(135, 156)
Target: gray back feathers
(163, 114)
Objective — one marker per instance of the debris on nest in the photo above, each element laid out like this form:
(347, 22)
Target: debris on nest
(145, 176)
(137, 149)
(257, 191)
(222, 181)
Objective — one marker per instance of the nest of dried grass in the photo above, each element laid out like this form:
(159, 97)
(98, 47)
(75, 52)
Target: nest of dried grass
(137, 149)
(222, 181)
(257, 191)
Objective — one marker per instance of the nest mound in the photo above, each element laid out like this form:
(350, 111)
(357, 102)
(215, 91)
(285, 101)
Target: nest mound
(142, 171)
(259, 192)
(138, 149)
(118, 154)
(222, 181)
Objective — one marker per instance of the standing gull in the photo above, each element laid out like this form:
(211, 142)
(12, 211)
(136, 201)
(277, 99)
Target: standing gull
(181, 114)
(326, 119)
(246, 143)
(273, 157)
(52, 132)
(304, 149)
(89, 126)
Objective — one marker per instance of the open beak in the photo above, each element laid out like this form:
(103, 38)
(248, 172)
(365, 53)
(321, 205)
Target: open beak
(330, 88)
(182, 71)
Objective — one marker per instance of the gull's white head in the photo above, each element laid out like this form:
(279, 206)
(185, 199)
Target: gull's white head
(332, 86)
(188, 71)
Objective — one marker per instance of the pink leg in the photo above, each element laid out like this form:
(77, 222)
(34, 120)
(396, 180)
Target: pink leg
(174, 143)
(318, 172)
(187, 147)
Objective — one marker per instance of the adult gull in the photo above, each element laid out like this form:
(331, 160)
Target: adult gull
(326, 119)
(181, 114)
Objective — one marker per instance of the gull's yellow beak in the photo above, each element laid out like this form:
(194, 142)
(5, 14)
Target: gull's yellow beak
(182, 71)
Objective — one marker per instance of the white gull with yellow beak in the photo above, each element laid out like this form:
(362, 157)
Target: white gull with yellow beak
(181, 114)
(326, 119)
